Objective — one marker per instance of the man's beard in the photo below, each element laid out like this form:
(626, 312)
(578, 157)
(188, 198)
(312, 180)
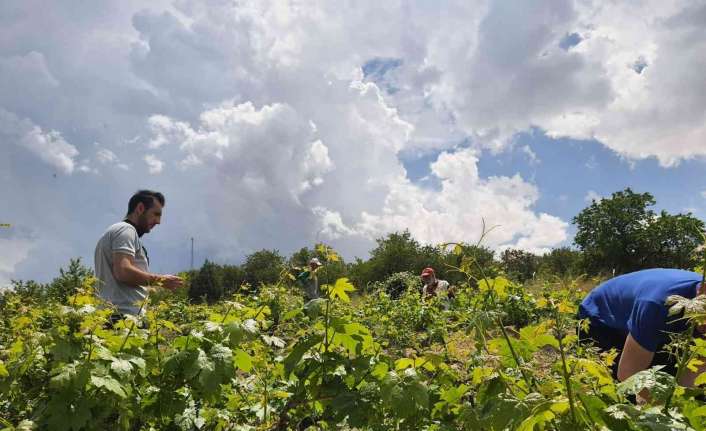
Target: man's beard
(142, 225)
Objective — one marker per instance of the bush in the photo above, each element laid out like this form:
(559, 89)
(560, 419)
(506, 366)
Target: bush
(398, 283)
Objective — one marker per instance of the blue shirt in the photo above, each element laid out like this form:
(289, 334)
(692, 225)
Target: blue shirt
(634, 303)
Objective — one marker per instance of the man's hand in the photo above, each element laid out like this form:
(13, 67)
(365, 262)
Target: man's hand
(170, 282)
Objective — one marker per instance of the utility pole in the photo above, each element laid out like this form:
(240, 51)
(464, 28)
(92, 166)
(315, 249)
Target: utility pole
(192, 253)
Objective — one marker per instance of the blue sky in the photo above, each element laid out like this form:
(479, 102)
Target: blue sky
(274, 125)
(566, 171)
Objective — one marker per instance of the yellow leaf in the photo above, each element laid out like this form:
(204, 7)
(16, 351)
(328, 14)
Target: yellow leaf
(340, 288)
(693, 364)
(281, 394)
(404, 363)
(700, 379)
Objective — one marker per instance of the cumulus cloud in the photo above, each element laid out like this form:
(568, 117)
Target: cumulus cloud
(49, 146)
(12, 252)
(154, 165)
(457, 211)
(284, 121)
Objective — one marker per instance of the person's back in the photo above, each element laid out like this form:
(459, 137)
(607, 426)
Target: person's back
(120, 238)
(635, 303)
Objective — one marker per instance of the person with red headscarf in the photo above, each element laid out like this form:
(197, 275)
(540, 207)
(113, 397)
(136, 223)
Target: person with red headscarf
(433, 286)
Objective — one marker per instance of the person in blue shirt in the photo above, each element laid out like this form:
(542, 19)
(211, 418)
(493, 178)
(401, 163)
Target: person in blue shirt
(628, 313)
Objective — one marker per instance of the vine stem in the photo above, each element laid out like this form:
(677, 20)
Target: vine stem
(529, 382)
(567, 379)
(683, 360)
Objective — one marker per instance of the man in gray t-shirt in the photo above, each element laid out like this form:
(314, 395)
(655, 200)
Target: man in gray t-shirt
(121, 261)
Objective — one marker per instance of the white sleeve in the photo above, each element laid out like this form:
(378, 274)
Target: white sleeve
(125, 241)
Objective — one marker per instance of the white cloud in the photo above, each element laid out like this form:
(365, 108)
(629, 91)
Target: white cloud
(105, 156)
(531, 155)
(277, 136)
(592, 196)
(13, 251)
(457, 211)
(49, 146)
(154, 165)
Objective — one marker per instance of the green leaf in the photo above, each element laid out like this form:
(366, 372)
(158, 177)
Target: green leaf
(298, 351)
(315, 308)
(380, 370)
(121, 367)
(659, 383)
(110, 384)
(242, 360)
(138, 362)
(341, 288)
(273, 341)
(404, 363)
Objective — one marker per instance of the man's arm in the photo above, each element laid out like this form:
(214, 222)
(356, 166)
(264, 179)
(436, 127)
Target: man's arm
(125, 271)
(634, 359)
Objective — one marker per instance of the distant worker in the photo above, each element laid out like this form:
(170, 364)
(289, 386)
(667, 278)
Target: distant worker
(121, 261)
(309, 280)
(433, 286)
(628, 313)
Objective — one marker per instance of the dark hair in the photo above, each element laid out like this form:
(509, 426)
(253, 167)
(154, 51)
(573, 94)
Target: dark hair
(147, 198)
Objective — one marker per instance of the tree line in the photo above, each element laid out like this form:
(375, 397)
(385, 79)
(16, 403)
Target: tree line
(615, 235)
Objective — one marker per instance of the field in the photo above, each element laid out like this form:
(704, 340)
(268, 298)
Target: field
(499, 356)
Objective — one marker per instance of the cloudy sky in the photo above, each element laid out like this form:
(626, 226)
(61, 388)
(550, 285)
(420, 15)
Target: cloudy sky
(274, 124)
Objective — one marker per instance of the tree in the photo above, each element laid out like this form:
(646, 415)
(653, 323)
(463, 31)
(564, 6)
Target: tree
(562, 261)
(519, 265)
(478, 261)
(397, 252)
(232, 276)
(622, 233)
(207, 283)
(263, 266)
(69, 280)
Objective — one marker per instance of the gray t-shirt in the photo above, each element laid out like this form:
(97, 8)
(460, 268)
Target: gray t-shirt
(122, 238)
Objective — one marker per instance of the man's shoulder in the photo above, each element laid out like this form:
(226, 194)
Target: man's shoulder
(118, 230)
(120, 227)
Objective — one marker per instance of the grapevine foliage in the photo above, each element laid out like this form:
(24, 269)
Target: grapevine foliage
(495, 358)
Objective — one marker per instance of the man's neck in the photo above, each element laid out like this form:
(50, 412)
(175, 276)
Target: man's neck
(132, 222)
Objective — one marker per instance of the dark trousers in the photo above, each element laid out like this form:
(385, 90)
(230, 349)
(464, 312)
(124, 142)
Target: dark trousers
(606, 338)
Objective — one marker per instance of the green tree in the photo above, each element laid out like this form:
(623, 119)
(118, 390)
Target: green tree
(519, 265)
(207, 283)
(622, 233)
(68, 281)
(477, 261)
(263, 266)
(232, 276)
(397, 252)
(562, 261)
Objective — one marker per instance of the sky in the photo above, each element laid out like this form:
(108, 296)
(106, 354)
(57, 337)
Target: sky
(283, 123)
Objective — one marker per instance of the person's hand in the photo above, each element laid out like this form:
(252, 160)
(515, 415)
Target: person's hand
(171, 282)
